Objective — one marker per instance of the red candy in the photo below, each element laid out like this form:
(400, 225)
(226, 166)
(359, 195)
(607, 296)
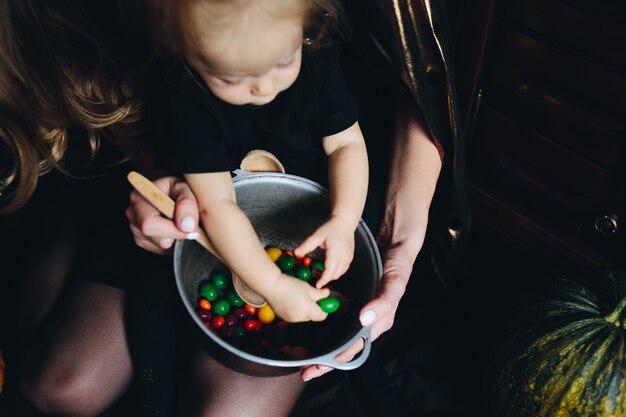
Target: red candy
(251, 325)
(218, 322)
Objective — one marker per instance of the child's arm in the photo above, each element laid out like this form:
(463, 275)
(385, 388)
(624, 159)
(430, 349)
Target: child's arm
(348, 179)
(235, 240)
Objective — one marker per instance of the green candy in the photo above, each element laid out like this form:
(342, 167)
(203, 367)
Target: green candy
(219, 280)
(303, 273)
(286, 262)
(222, 307)
(234, 299)
(240, 332)
(318, 265)
(329, 304)
(208, 291)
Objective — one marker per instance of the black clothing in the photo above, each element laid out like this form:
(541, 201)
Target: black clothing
(205, 134)
(93, 195)
(417, 40)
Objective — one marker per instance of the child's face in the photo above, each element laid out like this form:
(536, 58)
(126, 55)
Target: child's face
(253, 65)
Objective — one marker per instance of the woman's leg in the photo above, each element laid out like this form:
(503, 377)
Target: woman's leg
(64, 340)
(215, 390)
(80, 364)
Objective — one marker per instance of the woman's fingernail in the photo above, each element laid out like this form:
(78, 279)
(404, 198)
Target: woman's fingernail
(367, 317)
(192, 236)
(187, 225)
(307, 379)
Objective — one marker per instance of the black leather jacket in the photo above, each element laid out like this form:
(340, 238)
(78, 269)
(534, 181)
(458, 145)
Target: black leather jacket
(417, 37)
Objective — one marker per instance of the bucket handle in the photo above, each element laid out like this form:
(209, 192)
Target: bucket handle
(329, 358)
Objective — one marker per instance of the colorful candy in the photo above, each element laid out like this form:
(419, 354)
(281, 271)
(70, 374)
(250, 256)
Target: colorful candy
(205, 304)
(286, 262)
(219, 280)
(303, 273)
(208, 291)
(234, 299)
(258, 330)
(266, 315)
(221, 307)
(273, 253)
(329, 304)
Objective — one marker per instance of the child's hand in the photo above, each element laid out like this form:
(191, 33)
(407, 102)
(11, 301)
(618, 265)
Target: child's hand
(337, 238)
(295, 300)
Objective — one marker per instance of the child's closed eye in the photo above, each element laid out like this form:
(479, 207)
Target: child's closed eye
(229, 81)
(287, 64)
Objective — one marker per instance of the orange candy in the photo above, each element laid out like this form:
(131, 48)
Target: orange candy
(250, 309)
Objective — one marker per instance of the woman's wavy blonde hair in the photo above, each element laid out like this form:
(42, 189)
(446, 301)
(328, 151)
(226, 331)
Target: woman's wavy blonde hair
(55, 74)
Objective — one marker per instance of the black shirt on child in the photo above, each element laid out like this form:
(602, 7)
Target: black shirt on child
(202, 133)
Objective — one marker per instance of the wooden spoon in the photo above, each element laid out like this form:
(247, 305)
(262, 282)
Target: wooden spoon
(258, 160)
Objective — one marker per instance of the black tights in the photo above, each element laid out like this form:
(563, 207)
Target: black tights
(68, 342)
(63, 339)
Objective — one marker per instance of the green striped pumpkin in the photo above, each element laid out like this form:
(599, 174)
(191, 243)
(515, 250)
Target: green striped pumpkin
(564, 354)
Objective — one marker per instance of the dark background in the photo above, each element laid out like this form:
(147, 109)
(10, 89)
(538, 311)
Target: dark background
(435, 360)
(543, 104)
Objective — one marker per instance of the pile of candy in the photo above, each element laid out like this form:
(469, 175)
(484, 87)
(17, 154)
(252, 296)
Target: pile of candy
(258, 330)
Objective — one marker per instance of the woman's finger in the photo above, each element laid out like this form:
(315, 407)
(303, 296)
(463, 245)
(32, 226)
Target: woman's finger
(347, 355)
(186, 213)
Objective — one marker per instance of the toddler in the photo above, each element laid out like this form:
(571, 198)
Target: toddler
(249, 74)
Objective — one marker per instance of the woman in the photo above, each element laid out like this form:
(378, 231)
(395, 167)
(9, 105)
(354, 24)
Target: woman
(62, 380)
(426, 155)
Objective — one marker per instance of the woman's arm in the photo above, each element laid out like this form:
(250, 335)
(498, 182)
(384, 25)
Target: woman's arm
(415, 168)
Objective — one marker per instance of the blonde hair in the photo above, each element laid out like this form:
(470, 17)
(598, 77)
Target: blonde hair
(170, 24)
(55, 74)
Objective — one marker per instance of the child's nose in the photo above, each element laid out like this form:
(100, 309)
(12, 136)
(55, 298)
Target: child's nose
(263, 86)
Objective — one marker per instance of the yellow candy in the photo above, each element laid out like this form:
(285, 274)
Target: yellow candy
(265, 314)
(273, 253)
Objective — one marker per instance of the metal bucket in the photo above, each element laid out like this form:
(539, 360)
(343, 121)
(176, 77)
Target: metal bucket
(284, 209)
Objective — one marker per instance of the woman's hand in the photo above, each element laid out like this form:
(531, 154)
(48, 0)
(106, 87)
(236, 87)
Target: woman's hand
(151, 230)
(398, 258)
(415, 169)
